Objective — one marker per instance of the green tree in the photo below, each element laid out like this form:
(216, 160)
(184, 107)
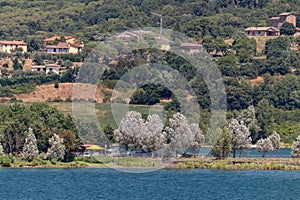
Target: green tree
(38, 59)
(264, 115)
(287, 29)
(33, 45)
(222, 148)
(109, 132)
(16, 64)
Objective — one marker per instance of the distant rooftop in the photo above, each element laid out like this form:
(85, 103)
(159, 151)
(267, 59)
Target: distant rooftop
(262, 29)
(12, 42)
(286, 13)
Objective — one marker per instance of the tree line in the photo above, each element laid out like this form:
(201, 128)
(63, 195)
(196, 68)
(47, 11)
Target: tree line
(37, 129)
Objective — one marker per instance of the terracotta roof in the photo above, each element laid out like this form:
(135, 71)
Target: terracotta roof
(262, 29)
(13, 42)
(53, 38)
(286, 13)
(59, 45)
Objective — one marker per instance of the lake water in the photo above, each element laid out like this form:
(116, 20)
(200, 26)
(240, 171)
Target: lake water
(252, 153)
(163, 184)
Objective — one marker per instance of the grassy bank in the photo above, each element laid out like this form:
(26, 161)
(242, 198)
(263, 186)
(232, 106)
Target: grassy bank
(138, 162)
(241, 164)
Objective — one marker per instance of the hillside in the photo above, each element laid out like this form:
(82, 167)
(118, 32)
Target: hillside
(95, 19)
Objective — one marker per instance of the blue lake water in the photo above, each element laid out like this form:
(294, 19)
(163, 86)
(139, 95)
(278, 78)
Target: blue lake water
(163, 184)
(252, 153)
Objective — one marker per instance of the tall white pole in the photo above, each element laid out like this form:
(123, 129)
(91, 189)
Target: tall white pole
(160, 32)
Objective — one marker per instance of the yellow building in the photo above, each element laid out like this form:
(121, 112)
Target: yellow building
(10, 46)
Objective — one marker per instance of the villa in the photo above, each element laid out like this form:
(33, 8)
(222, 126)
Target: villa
(10, 46)
(275, 24)
(54, 68)
(65, 45)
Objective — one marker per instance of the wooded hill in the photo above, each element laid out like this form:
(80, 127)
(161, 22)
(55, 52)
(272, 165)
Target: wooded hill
(93, 20)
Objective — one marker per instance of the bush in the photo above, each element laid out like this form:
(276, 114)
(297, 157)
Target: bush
(56, 84)
(90, 159)
(6, 161)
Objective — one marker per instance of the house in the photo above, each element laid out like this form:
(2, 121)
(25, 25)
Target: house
(61, 47)
(70, 45)
(10, 46)
(262, 31)
(283, 17)
(46, 68)
(191, 48)
(116, 150)
(275, 25)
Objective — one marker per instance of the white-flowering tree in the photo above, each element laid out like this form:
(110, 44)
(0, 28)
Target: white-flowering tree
(275, 139)
(30, 148)
(179, 134)
(241, 139)
(57, 148)
(264, 146)
(198, 138)
(295, 149)
(136, 133)
(1, 149)
(152, 137)
(129, 130)
(249, 119)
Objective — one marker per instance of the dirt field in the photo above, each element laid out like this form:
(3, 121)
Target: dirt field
(65, 91)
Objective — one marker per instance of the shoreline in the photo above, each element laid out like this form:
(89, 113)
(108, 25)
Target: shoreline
(195, 163)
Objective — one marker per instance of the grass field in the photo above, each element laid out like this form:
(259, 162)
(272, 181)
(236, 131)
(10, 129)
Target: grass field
(104, 111)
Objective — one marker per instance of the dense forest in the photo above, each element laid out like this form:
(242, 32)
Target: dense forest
(276, 98)
(94, 20)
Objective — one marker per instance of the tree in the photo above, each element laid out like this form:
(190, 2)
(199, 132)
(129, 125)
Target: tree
(287, 29)
(152, 136)
(249, 119)
(241, 139)
(57, 148)
(70, 143)
(264, 146)
(1, 149)
(275, 139)
(30, 148)
(264, 115)
(13, 137)
(56, 84)
(295, 149)
(136, 133)
(222, 148)
(109, 132)
(198, 139)
(38, 59)
(16, 64)
(179, 134)
(129, 130)
(33, 45)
